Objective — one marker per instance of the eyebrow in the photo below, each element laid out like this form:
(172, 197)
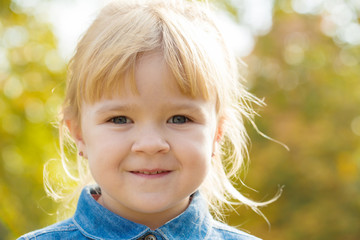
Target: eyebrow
(130, 107)
(115, 108)
(184, 106)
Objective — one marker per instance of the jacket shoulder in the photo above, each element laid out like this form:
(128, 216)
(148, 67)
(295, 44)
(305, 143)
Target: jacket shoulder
(61, 230)
(223, 231)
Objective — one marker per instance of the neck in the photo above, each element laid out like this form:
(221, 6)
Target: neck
(153, 220)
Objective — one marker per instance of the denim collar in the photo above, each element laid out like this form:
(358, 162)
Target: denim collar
(97, 222)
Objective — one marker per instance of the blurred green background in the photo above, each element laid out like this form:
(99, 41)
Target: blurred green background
(307, 67)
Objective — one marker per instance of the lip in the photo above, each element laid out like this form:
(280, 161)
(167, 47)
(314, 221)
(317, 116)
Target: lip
(151, 173)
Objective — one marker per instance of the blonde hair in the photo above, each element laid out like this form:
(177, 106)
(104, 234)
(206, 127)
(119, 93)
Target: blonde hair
(203, 66)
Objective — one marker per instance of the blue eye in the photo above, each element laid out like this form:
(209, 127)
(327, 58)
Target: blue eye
(179, 119)
(120, 120)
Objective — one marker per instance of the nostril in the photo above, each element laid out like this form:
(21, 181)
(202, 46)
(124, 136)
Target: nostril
(150, 146)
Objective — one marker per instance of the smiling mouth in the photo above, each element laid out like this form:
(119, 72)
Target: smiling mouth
(150, 172)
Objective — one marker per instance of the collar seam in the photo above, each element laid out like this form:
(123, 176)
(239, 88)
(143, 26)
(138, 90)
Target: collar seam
(83, 231)
(209, 229)
(162, 234)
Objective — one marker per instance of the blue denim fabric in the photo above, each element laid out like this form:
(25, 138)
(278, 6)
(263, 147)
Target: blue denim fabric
(93, 221)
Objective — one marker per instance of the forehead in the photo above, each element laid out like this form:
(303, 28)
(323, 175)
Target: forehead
(153, 80)
(153, 75)
(156, 89)
(150, 73)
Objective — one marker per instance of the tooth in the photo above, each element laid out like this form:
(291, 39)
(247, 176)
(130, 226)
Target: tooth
(149, 173)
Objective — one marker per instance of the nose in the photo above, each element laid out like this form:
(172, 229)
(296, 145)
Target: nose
(150, 141)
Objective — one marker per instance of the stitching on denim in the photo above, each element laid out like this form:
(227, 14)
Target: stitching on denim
(140, 234)
(35, 234)
(229, 229)
(85, 233)
(162, 234)
(208, 230)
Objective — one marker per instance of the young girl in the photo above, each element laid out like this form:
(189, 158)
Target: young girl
(155, 108)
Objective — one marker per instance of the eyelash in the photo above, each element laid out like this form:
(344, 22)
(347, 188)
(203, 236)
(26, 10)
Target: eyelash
(177, 116)
(126, 120)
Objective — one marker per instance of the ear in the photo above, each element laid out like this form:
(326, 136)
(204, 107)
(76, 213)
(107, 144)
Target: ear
(219, 130)
(218, 135)
(76, 133)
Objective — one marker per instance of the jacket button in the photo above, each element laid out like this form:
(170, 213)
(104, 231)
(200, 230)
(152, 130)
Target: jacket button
(150, 237)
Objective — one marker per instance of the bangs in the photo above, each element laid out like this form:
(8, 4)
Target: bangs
(107, 55)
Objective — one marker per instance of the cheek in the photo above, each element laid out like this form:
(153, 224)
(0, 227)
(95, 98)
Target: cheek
(194, 148)
(196, 161)
(105, 149)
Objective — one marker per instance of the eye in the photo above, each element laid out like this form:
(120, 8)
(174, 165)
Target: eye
(179, 119)
(120, 120)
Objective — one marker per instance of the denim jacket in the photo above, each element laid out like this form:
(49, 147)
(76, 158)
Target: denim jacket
(93, 221)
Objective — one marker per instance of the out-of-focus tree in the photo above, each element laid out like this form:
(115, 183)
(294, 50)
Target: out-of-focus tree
(31, 78)
(308, 70)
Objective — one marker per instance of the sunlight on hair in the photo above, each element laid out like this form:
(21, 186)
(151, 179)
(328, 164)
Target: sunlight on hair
(203, 65)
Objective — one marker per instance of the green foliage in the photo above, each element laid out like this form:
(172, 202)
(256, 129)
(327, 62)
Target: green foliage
(31, 78)
(310, 83)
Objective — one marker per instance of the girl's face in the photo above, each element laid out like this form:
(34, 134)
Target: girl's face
(149, 151)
